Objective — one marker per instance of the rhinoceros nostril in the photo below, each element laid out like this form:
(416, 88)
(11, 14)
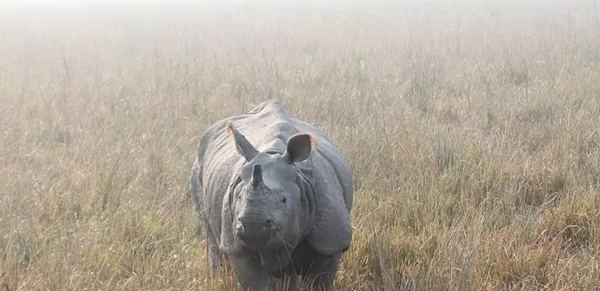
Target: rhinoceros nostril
(268, 224)
(244, 221)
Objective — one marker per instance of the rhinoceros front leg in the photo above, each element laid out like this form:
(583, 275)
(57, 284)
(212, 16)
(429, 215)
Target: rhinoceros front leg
(250, 274)
(321, 273)
(214, 253)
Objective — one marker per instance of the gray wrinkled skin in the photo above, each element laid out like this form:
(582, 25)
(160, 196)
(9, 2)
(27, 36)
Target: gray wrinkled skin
(272, 204)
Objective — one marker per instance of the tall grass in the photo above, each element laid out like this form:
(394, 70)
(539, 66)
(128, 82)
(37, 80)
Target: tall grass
(472, 130)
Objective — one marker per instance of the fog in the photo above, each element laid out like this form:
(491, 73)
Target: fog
(37, 35)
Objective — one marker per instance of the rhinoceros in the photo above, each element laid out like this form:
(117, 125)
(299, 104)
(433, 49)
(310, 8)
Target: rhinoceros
(274, 195)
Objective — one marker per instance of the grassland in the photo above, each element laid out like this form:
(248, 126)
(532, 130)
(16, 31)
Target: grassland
(472, 130)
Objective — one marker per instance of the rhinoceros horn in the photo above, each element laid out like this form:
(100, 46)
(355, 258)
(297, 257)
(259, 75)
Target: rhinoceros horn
(256, 175)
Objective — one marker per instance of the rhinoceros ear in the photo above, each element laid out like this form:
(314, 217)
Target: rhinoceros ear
(299, 147)
(242, 145)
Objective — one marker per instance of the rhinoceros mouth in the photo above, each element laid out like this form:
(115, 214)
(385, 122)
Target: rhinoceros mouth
(256, 241)
(253, 239)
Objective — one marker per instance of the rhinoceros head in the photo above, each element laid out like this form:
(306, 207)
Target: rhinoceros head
(268, 207)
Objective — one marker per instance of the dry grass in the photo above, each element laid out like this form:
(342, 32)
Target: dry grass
(472, 130)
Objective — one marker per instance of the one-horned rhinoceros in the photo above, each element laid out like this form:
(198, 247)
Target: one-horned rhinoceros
(274, 195)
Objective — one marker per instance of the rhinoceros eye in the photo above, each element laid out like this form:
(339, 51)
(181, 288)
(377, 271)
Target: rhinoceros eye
(284, 200)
